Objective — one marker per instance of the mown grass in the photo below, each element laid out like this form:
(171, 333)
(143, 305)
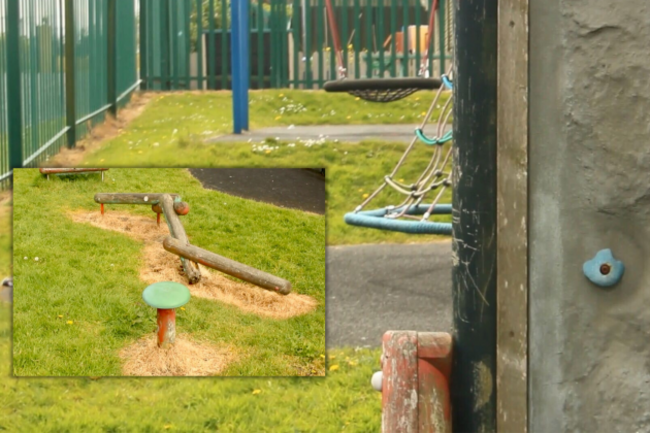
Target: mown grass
(172, 130)
(353, 170)
(90, 276)
(5, 235)
(161, 134)
(343, 401)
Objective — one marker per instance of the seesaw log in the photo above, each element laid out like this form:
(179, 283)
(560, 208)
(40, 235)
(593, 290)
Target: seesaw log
(227, 266)
(178, 231)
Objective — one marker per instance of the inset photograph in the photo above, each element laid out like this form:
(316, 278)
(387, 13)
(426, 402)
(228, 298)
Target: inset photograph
(169, 272)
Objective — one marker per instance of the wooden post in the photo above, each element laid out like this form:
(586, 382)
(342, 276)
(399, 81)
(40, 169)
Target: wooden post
(130, 198)
(512, 221)
(166, 321)
(227, 266)
(415, 383)
(178, 231)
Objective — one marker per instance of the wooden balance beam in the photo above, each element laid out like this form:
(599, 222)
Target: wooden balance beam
(227, 266)
(172, 206)
(58, 171)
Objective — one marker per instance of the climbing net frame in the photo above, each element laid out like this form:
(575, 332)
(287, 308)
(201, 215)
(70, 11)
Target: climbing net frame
(412, 215)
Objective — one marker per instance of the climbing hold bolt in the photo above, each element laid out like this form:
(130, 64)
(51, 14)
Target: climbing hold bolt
(604, 270)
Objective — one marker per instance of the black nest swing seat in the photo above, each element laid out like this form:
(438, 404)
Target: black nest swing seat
(382, 89)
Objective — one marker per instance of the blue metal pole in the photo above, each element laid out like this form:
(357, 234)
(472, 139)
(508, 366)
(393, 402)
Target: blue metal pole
(240, 64)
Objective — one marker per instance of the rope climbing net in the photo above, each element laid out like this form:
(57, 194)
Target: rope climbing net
(413, 215)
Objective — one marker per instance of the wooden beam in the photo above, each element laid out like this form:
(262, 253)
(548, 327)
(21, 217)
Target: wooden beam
(512, 220)
(178, 231)
(129, 198)
(227, 266)
(70, 170)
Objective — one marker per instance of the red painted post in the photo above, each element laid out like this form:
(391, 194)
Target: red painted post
(400, 382)
(166, 327)
(102, 208)
(434, 369)
(415, 382)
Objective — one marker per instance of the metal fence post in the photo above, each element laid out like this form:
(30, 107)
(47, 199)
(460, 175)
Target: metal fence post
(474, 217)
(70, 94)
(240, 64)
(14, 85)
(144, 53)
(112, 56)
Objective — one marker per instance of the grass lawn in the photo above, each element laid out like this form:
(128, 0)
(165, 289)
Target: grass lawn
(344, 401)
(171, 131)
(80, 303)
(5, 235)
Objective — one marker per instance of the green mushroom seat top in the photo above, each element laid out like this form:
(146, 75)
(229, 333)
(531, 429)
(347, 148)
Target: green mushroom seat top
(166, 295)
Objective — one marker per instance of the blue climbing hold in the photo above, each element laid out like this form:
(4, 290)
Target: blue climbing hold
(604, 270)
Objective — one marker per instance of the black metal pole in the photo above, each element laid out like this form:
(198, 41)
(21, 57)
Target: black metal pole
(473, 386)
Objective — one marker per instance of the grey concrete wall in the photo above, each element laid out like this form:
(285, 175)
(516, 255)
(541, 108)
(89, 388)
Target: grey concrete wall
(589, 189)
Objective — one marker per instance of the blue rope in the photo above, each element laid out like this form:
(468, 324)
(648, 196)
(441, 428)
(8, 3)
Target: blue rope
(376, 219)
(432, 141)
(447, 82)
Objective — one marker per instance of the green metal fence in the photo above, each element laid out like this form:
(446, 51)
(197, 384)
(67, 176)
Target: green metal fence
(63, 65)
(185, 44)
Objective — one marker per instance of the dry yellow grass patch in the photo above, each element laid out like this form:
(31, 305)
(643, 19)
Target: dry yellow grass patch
(184, 358)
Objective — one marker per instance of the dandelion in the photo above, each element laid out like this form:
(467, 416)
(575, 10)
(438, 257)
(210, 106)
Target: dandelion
(268, 151)
(322, 356)
(349, 117)
(69, 322)
(257, 391)
(278, 117)
(183, 308)
(357, 99)
(101, 160)
(60, 316)
(366, 195)
(334, 367)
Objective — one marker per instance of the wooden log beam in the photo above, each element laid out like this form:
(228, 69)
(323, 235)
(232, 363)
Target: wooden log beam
(133, 198)
(69, 170)
(178, 232)
(227, 266)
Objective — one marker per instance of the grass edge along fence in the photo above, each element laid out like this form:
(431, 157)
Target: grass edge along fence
(53, 88)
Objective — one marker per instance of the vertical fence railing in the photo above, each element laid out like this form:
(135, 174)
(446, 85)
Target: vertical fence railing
(186, 44)
(54, 81)
(5, 168)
